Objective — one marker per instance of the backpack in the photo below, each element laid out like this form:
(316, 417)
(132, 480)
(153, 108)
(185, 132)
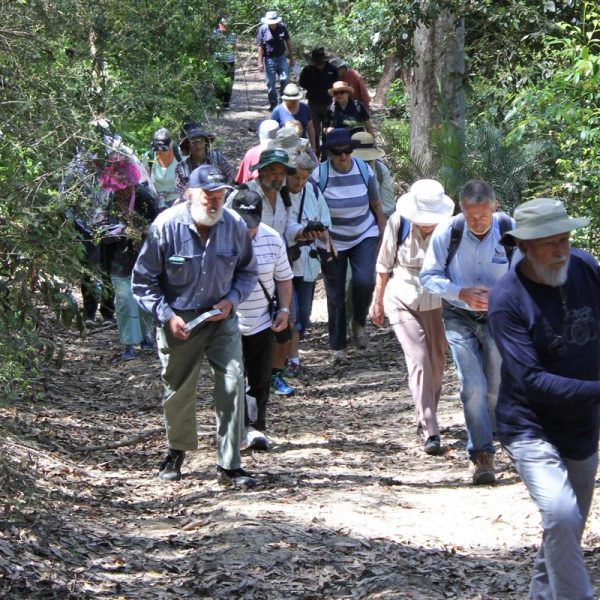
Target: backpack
(458, 226)
(324, 173)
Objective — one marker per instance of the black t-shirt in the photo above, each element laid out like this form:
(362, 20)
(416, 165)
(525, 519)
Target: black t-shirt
(318, 82)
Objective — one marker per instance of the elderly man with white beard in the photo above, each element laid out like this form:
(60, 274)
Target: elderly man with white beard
(194, 269)
(544, 317)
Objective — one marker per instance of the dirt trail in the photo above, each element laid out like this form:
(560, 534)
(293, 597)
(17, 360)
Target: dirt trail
(348, 505)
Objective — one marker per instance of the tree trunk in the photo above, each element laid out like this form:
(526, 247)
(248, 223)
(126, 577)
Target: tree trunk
(435, 89)
(387, 78)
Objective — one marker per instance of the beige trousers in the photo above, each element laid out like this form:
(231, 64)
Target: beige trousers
(421, 335)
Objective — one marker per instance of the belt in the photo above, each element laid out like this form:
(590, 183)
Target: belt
(475, 315)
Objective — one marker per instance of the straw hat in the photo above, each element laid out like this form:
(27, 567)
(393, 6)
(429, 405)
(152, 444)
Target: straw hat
(341, 86)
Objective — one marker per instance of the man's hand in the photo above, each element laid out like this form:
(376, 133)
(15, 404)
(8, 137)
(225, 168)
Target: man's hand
(176, 326)
(475, 297)
(225, 307)
(281, 321)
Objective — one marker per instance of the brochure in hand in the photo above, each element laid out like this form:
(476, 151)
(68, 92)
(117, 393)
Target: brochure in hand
(205, 315)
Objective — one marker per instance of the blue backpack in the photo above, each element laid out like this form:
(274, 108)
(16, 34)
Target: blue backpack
(324, 173)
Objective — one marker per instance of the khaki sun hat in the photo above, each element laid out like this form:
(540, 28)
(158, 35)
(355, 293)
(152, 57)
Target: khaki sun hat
(425, 203)
(367, 149)
(541, 218)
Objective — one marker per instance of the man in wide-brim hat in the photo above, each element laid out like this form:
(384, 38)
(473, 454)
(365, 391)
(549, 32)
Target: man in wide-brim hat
(544, 317)
(272, 40)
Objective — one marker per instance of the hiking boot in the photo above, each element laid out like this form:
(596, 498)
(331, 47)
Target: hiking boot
(147, 344)
(128, 353)
(235, 478)
(90, 323)
(255, 440)
(109, 322)
(280, 387)
(484, 473)
(292, 370)
(432, 446)
(338, 356)
(170, 467)
(360, 335)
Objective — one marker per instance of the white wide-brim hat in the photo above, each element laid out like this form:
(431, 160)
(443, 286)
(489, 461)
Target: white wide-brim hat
(271, 18)
(540, 218)
(425, 203)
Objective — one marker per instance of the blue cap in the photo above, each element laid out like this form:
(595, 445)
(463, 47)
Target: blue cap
(207, 177)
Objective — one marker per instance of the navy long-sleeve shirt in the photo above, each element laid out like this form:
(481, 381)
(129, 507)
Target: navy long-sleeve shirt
(177, 270)
(550, 345)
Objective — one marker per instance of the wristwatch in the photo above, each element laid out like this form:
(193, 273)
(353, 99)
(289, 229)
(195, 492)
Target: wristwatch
(284, 309)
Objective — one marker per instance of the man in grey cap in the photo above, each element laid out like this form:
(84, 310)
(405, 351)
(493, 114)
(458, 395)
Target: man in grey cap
(544, 317)
(195, 267)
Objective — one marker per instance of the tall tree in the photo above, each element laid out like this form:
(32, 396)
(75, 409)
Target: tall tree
(435, 86)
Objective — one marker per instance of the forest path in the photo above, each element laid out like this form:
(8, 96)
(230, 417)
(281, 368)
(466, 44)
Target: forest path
(348, 505)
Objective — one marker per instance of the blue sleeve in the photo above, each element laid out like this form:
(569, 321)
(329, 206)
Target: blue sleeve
(433, 276)
(145, 279)
(521, 360)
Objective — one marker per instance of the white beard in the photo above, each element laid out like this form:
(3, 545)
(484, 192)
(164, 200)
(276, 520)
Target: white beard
(551, 277)
(201, 216)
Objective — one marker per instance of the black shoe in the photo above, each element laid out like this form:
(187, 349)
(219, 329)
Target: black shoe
(432, 446)
(235, 477)
(170, 468)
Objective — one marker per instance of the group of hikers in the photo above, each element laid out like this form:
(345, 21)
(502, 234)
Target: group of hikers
(224, 262)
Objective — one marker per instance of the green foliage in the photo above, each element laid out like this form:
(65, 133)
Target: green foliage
(61, 65)
(564, 108)
(511, 166)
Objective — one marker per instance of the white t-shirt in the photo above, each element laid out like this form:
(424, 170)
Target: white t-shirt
(273, 265)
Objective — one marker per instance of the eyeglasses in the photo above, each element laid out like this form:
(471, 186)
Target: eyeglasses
(339, 93)
(200, 142)
(340, 151)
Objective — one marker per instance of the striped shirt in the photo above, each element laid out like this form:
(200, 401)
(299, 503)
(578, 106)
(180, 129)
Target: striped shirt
(404, 262)
(348, 197)
(271, 257)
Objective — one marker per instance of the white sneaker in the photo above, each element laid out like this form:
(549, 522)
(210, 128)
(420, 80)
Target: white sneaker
(255, 440)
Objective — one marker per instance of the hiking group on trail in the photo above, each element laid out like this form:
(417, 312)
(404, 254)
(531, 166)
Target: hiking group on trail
(228, 274)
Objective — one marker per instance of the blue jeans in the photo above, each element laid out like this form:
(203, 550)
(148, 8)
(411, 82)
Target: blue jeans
(274, 66)
(362, 258)
(562, 490)
(133, 322)
(478, 365)
(303, 293)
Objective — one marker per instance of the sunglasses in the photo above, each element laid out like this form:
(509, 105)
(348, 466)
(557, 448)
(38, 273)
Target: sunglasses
(339, 93)
(340, 151)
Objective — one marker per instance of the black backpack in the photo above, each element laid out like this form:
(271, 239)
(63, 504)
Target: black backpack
(458, 226)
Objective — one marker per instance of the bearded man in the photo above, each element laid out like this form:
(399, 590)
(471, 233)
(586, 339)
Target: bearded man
(544, 316)
(197, 258)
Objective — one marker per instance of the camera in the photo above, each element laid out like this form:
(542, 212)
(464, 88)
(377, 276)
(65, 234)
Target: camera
(312, 226)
